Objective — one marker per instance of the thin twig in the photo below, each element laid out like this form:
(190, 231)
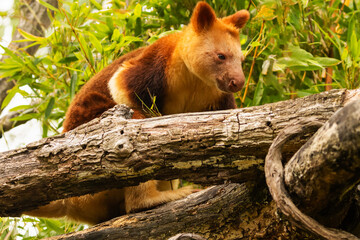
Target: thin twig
(252, 65)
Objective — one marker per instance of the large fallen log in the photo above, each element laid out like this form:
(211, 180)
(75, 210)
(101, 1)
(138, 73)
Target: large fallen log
(112, 151)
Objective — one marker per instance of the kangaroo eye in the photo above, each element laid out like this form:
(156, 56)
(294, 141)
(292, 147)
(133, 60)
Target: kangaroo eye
(221, 56)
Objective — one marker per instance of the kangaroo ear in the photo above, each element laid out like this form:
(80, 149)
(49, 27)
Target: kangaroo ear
(203, 17)
(238, 19)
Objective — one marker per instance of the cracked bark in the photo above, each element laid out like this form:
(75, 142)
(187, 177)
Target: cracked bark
(216, 206)
(205, 148)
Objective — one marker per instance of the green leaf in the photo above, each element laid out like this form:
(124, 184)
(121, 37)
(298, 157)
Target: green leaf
(49, 6)
(137, 10)
(21, 107)
(41, 87)
(351, 27)
(354, 45)
(314, 63)
(130, 39)
(49, 107)
(73, 84)
(255, 44)
(326, 62)
(31, 37)
(79, 56)
(10, 66)
(110, 23)
(300, 54)
(265, 13)
(96, 4)
(95, 42)
(91, 57)
(101, 28)
(26, 117)
(272, 80)
(11, 93)
(291, 62)
(116, 35)
(259, 90)
(68, 59)
(54, 225)
(304, 93)
(138, 26)
(12, 55)
(84, 46)
(45, 130)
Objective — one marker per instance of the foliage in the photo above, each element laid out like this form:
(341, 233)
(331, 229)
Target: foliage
(291, 46)
(12, 228)
(296, 42)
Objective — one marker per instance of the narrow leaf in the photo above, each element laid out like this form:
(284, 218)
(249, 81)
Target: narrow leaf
(31, 37)
(353, 45)
(49, 6)
(25, 117)
(49, 107)
(259, 90)
(137, 10)
(96, 4)
(9, 96)
(95, 42)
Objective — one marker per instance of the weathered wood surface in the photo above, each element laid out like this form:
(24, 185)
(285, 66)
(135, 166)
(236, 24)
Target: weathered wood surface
(208, 213)
(313, 172)
(322, 176)
(328, 161)
(114, 152)
(229, 211)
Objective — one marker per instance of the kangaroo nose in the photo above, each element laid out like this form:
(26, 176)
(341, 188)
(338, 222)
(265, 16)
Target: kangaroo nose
(235, 85)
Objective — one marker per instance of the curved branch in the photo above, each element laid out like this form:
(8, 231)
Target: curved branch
(274, 171)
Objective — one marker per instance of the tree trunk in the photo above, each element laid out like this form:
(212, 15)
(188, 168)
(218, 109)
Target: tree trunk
(205, 148)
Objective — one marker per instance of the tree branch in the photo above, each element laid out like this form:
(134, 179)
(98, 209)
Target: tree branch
(274, 176)
(198, 213)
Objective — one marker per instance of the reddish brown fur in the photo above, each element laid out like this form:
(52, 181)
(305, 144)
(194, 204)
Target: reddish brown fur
(94, 97)
(183, 71)
(145, 82)
(203, 17)
(238, 19)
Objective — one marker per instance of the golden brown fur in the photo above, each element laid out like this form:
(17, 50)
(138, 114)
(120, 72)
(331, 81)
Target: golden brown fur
(195, 70)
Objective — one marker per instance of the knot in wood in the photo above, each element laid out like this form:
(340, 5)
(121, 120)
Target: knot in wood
(124, 147)
(118, 111)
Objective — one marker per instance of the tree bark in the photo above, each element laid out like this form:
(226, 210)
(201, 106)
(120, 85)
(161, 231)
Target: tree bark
(325, 187)
(111, 151)
(212, 214)
(34, 19)
(324, 172)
